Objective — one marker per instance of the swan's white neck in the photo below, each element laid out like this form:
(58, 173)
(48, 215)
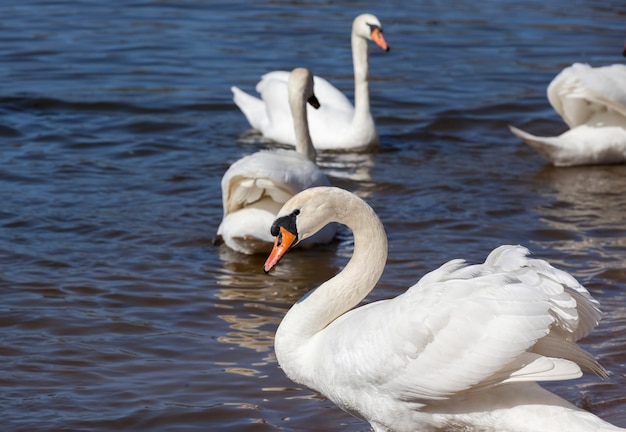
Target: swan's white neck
(312, 314)
(361, 76)
(304, 145)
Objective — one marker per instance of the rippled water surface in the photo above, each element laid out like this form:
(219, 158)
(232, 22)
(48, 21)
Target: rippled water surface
(119, 313)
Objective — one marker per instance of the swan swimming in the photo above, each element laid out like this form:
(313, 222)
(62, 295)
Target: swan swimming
(256, 186)
(337, 124)
(592, 102)
(461, 350)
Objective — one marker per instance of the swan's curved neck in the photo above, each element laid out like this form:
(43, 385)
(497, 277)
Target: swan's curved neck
(361, 72)
(338, 295)
(304, 145)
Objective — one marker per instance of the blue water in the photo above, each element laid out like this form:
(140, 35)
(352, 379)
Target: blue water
(118, 310)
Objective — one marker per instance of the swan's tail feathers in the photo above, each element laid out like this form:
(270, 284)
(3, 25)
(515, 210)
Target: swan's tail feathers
(252, 107)
(543, 145)
(554, 345)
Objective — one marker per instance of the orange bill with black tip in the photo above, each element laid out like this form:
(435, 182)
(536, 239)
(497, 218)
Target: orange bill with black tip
(377, 37)
(284, 240)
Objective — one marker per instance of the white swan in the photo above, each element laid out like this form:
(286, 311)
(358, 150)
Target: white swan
(461, 350)
(256, 186)
(337, 124)
(592, 101)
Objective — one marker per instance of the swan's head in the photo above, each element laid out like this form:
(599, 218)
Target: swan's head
(302, 216)
(300, 87)
(369, 27)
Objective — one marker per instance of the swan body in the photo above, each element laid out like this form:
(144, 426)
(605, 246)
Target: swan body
(461, 350)
(592, 102)
(256, 186)
(337, 124)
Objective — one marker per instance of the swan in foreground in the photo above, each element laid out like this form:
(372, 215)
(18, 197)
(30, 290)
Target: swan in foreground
(337, 124)
(461, 350)
(592, 101)
(256, 186)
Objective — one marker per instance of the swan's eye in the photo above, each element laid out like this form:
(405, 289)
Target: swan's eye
(374, 27)
(288, 222)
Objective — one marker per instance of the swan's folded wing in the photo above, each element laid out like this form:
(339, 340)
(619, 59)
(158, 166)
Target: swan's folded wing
(460, 328)
(279, 76)
(579, 92)
(273, 91)
(330, 97)
(278, 174)
(606, 86)
(273, 88)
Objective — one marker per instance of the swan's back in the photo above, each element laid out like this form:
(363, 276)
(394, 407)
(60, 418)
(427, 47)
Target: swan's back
(253, 190)
(275, 121)
(273, 85)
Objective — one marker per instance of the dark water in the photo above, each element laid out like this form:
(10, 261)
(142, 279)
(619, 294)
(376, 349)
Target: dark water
(116, 124)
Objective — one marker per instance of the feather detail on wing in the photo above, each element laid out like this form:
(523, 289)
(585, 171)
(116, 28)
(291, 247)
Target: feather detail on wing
(464, 327)
(273, 174)
(581, 92)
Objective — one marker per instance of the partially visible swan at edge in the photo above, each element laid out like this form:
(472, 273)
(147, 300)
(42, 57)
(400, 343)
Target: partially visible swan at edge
(592, 101)
(337, 124)
(461, 350)
(256, 186)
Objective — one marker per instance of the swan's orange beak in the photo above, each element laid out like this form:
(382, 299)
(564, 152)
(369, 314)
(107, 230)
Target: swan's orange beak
(377, 37)
(284, 240)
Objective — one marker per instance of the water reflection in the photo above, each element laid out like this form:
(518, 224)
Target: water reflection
(585, 215)
(246, 332)
(586, 212)
(264, 299)
(355, 167)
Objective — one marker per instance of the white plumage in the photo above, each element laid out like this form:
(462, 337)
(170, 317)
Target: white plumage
(256, 186)
(592, 102)
(337, 124)
(461, 350)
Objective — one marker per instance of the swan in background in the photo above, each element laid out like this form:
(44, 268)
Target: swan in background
(461, 350)
(592, 101)
(256, 186)
(337, 124)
